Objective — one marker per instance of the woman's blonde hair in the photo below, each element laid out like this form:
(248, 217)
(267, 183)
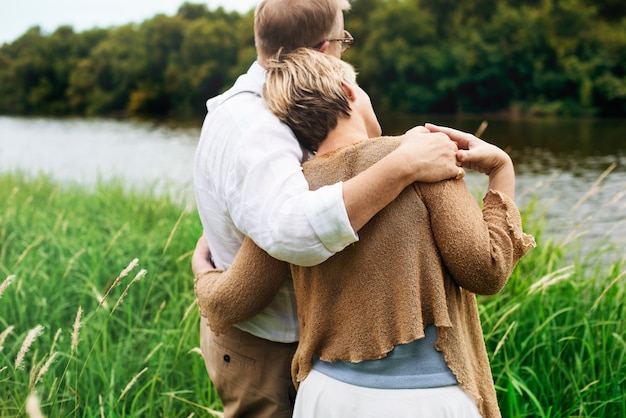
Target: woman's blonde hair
(291, 24)
(304, 90)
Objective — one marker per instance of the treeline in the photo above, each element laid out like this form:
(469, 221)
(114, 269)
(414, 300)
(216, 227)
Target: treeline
(565, 57)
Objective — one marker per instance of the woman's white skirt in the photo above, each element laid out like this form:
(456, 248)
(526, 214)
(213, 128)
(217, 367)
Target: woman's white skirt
(320, 396)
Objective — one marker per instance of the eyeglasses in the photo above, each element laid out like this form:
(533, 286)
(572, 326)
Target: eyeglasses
(346, 41)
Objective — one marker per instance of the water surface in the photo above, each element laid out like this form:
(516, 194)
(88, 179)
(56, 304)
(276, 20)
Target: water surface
(576, 168)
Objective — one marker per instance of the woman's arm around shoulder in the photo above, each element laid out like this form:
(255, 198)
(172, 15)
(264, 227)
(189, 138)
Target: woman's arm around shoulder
(227, 297)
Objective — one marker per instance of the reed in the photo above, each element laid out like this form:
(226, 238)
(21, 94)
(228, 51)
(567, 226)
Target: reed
(104, 345)
(560, 350)
(75, 331)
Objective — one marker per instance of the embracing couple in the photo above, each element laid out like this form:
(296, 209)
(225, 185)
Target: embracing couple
(334, 260)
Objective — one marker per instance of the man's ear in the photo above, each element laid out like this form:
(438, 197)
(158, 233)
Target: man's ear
(324, 46)
(349, 89)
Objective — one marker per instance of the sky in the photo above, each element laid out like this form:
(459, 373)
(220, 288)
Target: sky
(17, 16)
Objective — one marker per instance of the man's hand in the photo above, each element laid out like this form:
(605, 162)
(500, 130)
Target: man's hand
(201, 258)
(421, 156)
(430, 156)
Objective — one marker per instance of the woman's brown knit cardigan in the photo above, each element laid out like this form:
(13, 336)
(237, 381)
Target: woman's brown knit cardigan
(418, 262)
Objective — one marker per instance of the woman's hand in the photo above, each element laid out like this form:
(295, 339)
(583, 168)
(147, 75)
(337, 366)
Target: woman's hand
(474, 153)
(478, 155)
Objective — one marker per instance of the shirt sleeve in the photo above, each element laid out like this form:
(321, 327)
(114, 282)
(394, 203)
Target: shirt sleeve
(270, 201)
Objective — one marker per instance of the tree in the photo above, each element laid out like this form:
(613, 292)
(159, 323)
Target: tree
(537, 56)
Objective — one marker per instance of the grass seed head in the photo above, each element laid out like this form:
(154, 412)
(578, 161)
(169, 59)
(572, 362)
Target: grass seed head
(119, 278)
(4, 334)
(76, 329)
(33, 408)
(137, 277)
(6, 284)
(45, 367)
(28, 341)
(132, 382)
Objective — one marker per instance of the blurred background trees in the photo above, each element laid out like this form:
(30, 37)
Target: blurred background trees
(561, 57)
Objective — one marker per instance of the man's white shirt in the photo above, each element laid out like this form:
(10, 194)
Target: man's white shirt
(248, 182)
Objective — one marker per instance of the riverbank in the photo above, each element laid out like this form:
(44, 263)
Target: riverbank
(131, 347)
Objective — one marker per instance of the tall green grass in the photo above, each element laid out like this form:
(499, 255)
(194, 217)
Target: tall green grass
(132, 353)
(556, 334)
(108, 336)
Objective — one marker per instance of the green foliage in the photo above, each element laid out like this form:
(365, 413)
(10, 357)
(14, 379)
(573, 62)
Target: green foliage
(67, 258)
(167, 65)
(562, 57)
(556, 330)
(406, 55)
(540, 57)
(486, 56)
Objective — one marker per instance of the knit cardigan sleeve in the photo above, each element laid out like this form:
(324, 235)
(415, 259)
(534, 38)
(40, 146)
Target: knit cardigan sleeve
(479, 248)
(238, 294)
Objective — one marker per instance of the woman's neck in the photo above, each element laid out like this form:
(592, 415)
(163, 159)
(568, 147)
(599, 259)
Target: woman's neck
(347, 132)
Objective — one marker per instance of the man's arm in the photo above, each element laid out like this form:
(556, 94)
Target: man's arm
(422, 156)
(271, 203)
(254, 164)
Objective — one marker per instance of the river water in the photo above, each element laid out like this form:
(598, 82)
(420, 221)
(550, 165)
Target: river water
(86, 151)
(575, 168)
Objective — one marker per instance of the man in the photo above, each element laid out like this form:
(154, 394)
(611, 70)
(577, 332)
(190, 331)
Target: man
(248, 182)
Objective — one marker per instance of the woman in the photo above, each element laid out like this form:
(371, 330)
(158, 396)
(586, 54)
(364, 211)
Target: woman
(397, 310)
